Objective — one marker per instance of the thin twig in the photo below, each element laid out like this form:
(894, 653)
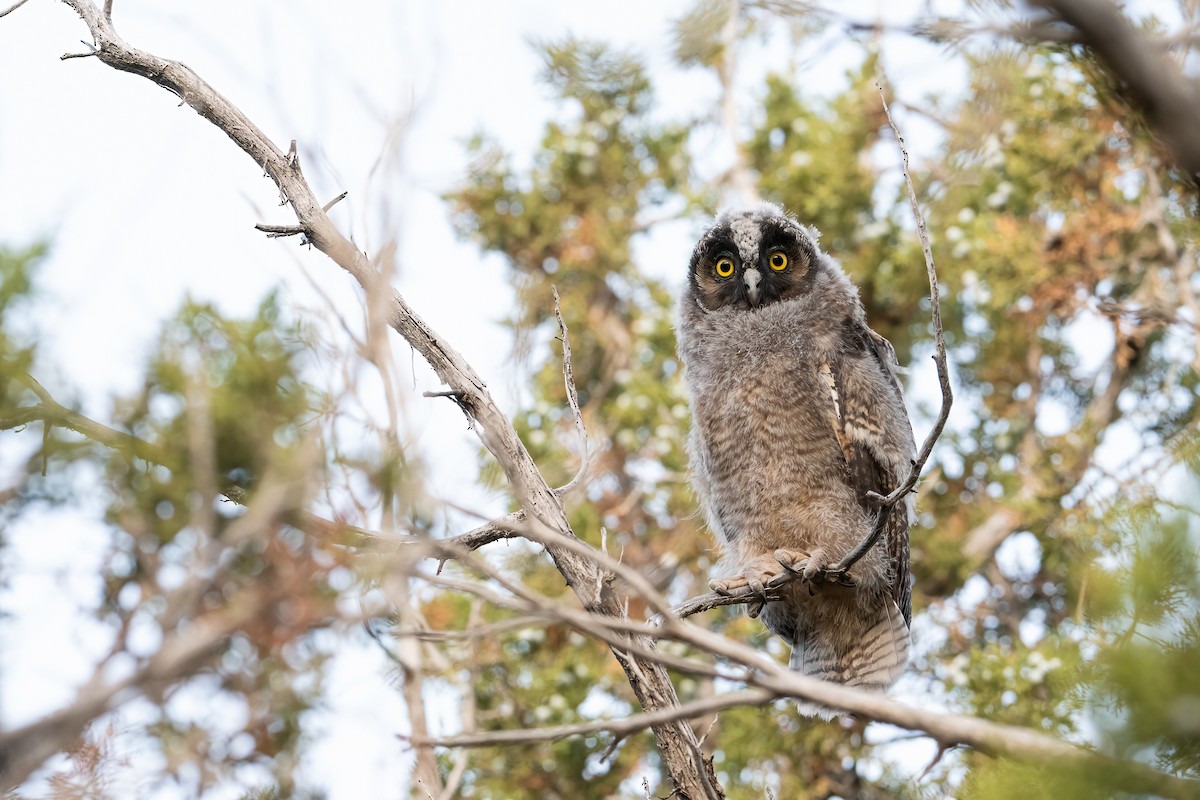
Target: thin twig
(618, 727)
(335, 201)
(935, 312)
(935, 309)
(572, 398)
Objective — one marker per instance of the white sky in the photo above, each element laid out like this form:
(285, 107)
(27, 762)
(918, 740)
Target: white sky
(145, 203)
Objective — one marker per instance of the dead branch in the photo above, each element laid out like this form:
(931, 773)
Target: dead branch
(25, 749)
(13, 8)
(762, 673)
(506, 527)
(184, 651)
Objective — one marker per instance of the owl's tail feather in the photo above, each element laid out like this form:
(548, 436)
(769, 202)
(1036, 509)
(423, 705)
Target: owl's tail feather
(874, 661)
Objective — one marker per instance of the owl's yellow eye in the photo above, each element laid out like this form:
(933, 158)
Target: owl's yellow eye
(724, 267)
(778, 262)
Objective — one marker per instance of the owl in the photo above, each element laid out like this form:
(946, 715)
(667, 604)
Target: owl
(796, 415)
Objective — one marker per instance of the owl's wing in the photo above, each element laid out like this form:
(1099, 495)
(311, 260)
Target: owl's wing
(873, 429)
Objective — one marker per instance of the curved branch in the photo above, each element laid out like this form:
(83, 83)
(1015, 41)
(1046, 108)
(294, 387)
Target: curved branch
(692, 776)
(746, 665)
(939, 357)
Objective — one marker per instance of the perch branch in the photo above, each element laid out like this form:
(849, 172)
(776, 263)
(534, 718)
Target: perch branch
(749, 666)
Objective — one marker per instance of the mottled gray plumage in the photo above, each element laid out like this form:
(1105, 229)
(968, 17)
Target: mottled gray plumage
(797, 413)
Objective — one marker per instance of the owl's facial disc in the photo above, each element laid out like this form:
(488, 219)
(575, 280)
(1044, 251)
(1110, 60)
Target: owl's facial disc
(752, 278)
(751, 259)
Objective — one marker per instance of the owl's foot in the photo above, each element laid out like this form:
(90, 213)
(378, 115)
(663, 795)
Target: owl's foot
(813, 568)
(756, 574)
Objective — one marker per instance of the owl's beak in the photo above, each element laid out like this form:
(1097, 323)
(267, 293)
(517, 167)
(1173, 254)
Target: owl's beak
(752, 278)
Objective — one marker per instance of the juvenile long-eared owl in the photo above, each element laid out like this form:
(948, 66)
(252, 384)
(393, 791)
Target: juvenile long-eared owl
(797, 414)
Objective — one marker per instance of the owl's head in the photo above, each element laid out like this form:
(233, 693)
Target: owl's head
(752, 257)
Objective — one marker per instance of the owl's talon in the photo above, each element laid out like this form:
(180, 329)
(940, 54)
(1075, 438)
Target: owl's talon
(841, 579)
(792, 560)
(811, 568)
(755, 576)
(726, 587)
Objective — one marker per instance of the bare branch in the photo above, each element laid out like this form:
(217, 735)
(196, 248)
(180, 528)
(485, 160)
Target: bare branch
(335, 201)
(711, 600)
(51, 412)
(650, 682)
(509, 526)
(763, 673)
(24, 749)
(279, 231)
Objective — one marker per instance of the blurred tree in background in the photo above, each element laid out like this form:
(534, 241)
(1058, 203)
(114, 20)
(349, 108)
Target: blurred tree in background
(1057, 576)
(1065, 247)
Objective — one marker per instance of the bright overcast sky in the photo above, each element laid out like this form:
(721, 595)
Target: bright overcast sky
(144, 202)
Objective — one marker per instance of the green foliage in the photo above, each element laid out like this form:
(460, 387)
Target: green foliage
(225, 409)
(241, 378)
(1144, 686)
(17, 268)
